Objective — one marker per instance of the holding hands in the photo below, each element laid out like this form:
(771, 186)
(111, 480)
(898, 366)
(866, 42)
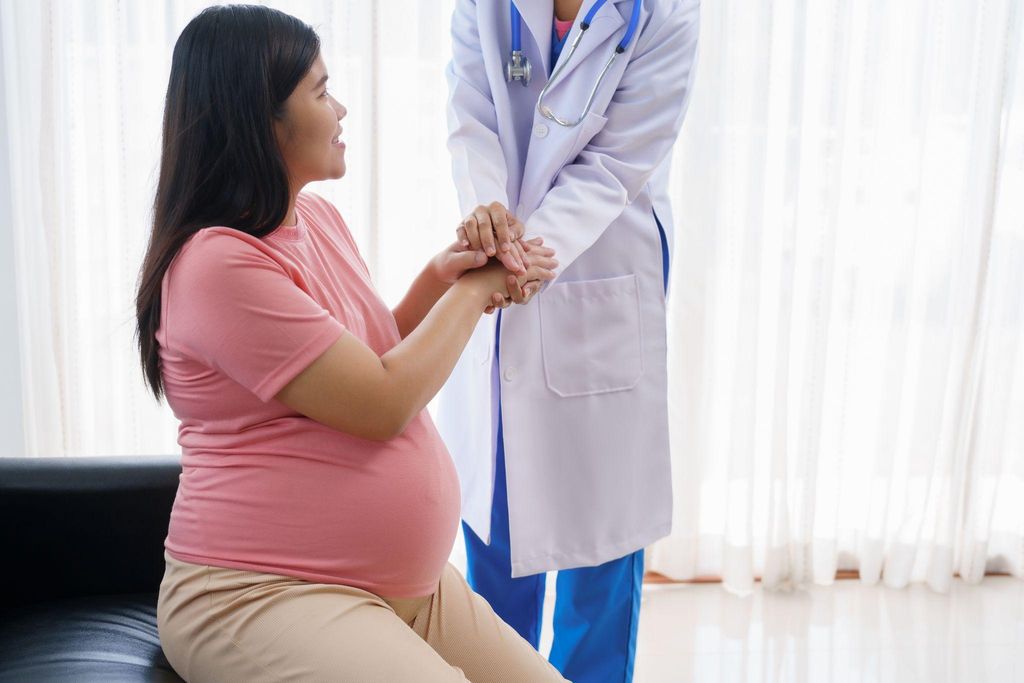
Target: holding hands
(515, 268)
(493, 229)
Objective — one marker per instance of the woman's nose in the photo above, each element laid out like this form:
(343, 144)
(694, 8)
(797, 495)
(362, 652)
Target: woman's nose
(339, 108)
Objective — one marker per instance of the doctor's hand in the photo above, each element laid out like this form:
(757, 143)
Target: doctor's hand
(492, 229)
(542, 264)
(521, 288)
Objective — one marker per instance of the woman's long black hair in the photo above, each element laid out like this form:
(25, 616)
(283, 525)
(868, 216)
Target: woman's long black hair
(232, 70)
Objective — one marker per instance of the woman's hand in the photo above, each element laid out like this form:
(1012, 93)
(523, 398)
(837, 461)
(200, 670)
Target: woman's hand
(489, 281)
(449, 265)
(491, 228)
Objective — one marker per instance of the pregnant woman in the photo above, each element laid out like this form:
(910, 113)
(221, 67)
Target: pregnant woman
(317, 504)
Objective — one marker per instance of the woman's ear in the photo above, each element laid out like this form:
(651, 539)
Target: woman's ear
(282, 127)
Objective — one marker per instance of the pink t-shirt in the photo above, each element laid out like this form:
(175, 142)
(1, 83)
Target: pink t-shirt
(562, 27)
(265, 488)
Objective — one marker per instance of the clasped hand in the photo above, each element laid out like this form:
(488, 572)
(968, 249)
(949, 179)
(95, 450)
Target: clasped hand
(490, 236)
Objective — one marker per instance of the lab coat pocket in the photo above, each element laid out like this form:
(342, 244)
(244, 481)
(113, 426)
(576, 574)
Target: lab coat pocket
(591, 336)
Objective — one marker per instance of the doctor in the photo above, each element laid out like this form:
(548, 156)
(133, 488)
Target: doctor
(556, 413)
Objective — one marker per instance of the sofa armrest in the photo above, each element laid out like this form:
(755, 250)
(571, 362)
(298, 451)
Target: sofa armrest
(74, 527)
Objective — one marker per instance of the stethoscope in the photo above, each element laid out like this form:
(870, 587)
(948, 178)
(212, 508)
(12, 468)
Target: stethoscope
(518, 67)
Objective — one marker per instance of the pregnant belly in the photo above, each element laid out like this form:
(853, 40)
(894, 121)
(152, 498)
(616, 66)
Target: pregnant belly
(386, 524)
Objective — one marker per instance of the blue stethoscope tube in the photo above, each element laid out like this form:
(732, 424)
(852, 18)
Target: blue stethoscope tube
(518, 67)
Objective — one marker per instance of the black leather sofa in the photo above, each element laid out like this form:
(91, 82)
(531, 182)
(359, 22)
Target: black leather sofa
(81, 558)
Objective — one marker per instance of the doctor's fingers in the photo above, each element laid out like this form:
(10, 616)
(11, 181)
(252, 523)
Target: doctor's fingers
(511, 261)
(461, 237)
(467, 235)
(520, 294)
(542, 268)
(471, 230)
(516, 229)
(485, 230)
(520, 252)
(499, 219)
(534, 251)
(533, 248)
(525, 287)
(499, 300)
(502, 235)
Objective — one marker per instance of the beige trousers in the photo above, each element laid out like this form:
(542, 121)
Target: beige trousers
(227, 625)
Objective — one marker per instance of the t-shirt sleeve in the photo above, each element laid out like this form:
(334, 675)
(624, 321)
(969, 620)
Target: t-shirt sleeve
(234, 308)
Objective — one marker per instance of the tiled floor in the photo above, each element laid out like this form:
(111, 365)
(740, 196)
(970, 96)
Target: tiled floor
(844, 632)
(836, 634)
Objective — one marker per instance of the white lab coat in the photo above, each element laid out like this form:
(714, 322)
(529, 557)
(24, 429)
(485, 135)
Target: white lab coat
(582, 374)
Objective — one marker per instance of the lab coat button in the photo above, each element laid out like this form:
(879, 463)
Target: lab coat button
(540, 130)
(510, 373)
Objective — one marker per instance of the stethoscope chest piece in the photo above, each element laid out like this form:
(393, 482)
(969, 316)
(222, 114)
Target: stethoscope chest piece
(518, 68)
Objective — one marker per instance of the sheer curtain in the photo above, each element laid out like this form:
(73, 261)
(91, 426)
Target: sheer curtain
(847, 312)
(847, 308)
(85, 81)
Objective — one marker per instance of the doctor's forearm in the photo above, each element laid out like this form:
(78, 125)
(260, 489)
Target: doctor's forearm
(640, 127)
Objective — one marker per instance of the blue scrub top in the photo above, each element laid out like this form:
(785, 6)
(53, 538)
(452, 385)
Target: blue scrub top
(556, 44)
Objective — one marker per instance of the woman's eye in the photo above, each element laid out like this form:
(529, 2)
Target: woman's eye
(323, 94)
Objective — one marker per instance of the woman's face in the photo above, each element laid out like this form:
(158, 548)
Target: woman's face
(309, 132)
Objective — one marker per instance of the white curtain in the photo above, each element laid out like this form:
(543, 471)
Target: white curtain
(847, 307)
(847, 312)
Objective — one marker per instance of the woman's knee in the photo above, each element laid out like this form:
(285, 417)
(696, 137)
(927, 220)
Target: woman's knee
(468, 634)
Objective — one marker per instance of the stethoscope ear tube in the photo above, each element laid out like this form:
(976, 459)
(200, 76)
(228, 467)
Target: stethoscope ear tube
(546, 112)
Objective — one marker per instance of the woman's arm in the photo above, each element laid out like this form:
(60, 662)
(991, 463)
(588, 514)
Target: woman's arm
(352, 389)
(431, 284)
(448, 266)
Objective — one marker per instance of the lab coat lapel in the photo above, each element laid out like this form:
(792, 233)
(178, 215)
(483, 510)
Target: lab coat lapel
(606, 22)
(546, 152)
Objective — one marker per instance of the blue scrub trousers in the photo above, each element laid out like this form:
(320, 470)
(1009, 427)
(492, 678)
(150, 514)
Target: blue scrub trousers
(597, 609)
